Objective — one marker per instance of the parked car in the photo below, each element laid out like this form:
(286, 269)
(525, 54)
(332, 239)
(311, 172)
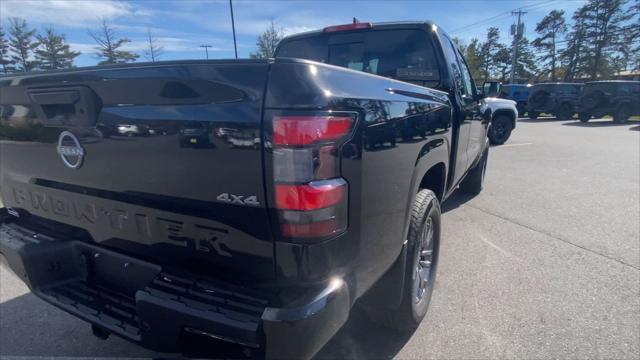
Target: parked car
(263, 248)
(504, 113)
(516, 92)
(557, 99)
(129, 130)
(504, 117)
(194, 134)
(620, 99)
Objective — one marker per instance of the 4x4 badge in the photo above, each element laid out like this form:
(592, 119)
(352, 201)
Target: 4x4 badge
(70, 150)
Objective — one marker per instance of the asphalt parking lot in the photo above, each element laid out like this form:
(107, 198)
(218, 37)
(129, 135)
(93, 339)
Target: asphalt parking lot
(544, 263)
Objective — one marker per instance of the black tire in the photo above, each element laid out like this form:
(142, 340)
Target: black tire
(473, 182)
(540, 99)
(500, 129)
(622, 114)
(565, 112)
(533, 114)
(592, 100)
(421, 264)
(584, 117)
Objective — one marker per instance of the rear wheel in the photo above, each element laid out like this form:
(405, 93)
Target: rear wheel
(420, 268)
(500, 130)
(473, 182)
(565, 112)
(584, 117)
(623, 113)
(533, 114)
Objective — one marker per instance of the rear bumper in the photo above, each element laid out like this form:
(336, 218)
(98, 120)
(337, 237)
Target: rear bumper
(143, 303)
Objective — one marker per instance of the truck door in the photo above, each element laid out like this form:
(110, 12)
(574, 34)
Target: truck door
(471, 106)
(461, 116)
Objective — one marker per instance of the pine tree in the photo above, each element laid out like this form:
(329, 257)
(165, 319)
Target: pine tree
(503, 62)
(21, 44)
(109, 46)
(5, 60)
(526, 66)
(488, 51)
(267, 42)
(632, 38)
(473, 57)
(577, 53)
(53, 52)
(604, 20)
(549, 28)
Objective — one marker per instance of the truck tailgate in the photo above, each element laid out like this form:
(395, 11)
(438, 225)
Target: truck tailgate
(161, 161)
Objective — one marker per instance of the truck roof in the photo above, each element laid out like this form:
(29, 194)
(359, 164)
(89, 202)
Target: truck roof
(614, 81)
(378, 25)
(559, 83)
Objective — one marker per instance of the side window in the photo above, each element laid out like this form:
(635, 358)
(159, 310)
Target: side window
(466, 76)
(450, 54)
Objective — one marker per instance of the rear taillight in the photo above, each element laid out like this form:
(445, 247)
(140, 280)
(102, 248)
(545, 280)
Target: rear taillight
(309, 193)
(306, 130)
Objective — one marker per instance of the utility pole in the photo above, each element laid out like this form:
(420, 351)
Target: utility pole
(517, 31)
(206, 50)
(233, 28)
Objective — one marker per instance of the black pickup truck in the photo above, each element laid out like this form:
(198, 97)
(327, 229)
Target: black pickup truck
(305, 188)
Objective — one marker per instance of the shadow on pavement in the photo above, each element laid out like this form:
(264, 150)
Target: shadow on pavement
(29, 327)
(635, 128)
(596, 123)
(457, 199)
(361, 338)
(539, 120)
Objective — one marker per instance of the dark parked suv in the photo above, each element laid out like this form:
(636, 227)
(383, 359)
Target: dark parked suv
(621, 99)
(518, 93)
(558, 99)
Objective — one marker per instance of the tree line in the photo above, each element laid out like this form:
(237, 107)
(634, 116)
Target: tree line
(603, 40)
(23, 49)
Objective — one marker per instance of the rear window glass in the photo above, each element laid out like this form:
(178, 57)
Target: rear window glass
(559, 88)
(621, 88)
(406, 55)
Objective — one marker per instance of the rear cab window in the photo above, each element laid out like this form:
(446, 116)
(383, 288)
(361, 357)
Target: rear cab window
(402, 54)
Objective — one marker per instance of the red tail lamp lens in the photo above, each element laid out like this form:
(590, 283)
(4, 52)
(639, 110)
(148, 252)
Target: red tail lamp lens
(306, 130)
(347, 27)
(312, 196)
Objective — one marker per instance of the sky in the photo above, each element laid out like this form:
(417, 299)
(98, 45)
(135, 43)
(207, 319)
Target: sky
(181, 26)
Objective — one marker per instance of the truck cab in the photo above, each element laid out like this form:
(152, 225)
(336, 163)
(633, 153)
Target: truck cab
(419, 53)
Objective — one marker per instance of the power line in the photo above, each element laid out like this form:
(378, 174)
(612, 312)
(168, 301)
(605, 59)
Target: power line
(206, 50)
(500, 16)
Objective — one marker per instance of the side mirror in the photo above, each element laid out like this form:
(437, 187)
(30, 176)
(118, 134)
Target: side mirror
(491, 88)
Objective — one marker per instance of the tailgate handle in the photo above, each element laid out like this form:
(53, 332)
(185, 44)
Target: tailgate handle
(57, 97)
(76, 106)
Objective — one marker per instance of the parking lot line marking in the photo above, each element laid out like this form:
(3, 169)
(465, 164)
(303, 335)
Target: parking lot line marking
(501, 250)
(517, 144)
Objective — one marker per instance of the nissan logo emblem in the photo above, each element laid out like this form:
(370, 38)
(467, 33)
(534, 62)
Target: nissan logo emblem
(70, 150)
